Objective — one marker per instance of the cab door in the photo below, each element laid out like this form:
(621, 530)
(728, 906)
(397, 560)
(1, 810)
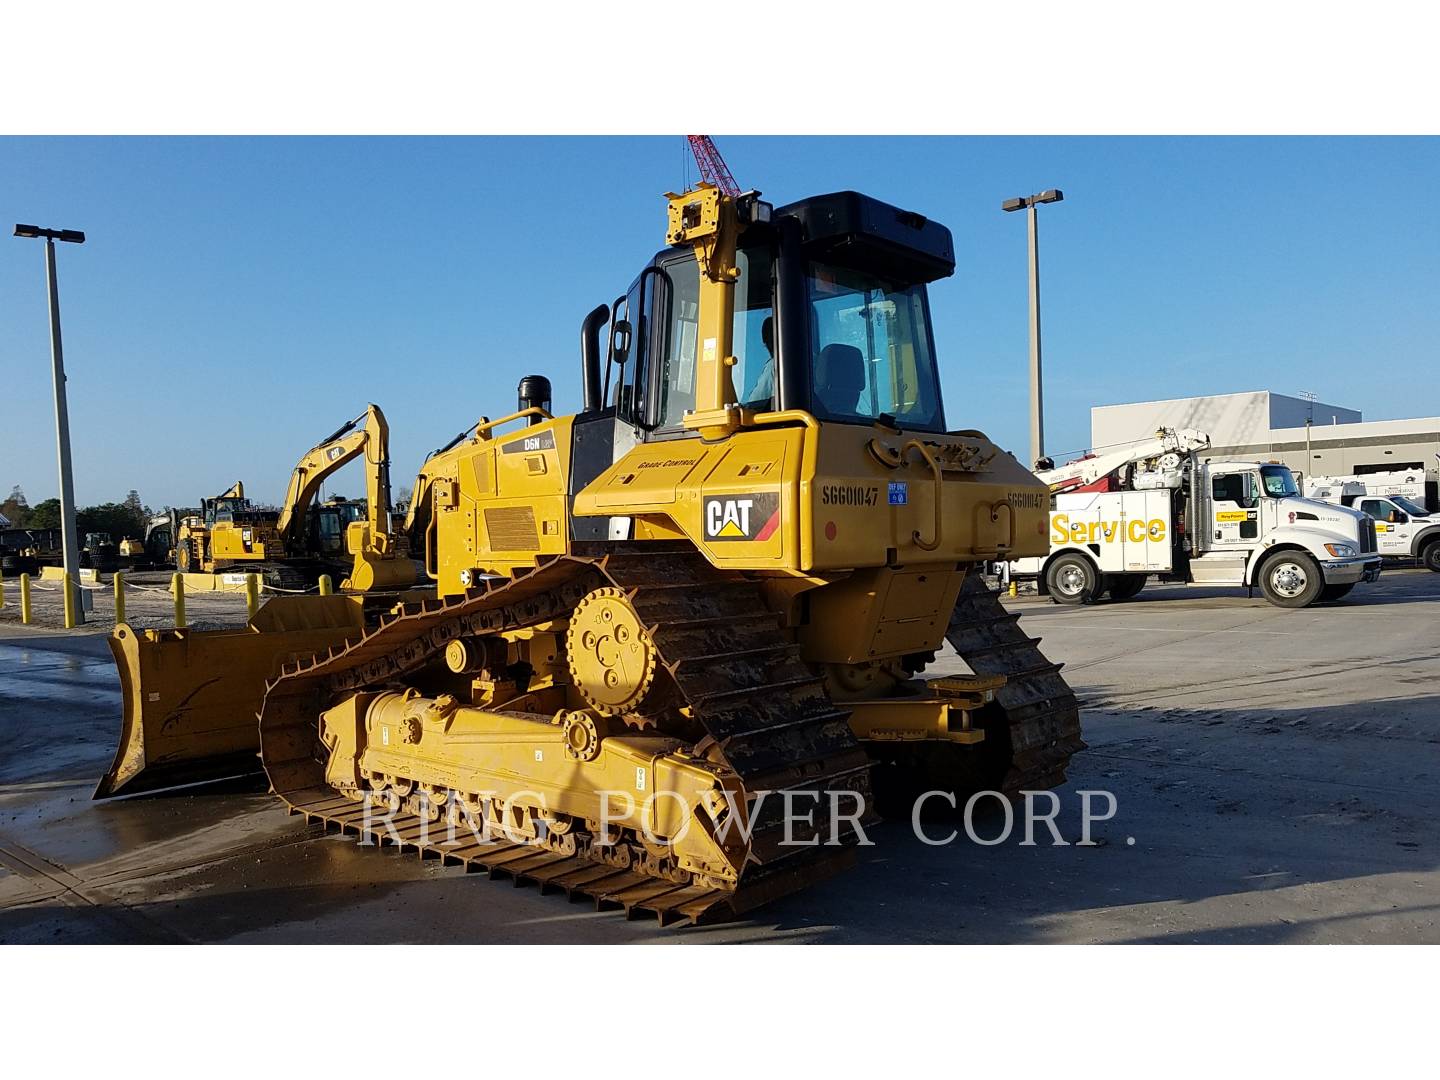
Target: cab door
(1392, 526)
(1234, 510)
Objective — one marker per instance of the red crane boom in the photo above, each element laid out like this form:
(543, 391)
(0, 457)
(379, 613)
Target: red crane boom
(712, 166)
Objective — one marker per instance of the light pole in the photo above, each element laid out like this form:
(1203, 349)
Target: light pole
(62, 414)
(1309, 421)
(1037, 412)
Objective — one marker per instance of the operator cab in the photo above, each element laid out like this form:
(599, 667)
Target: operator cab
(328, 522)
(831, 317)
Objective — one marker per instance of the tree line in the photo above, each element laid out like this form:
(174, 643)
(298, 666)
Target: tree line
(120, 519)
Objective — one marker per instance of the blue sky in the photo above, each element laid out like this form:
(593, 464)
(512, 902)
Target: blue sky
(237, 299)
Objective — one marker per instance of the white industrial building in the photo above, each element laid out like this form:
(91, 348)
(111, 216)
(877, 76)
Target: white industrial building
(1231, 419)
(1269, 426)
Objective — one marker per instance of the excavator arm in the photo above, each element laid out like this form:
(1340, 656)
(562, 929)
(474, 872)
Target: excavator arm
(367, 433)
(380, 555)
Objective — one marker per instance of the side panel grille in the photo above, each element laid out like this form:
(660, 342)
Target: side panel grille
(511, 528)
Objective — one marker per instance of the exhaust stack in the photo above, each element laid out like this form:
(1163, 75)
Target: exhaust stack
(590, 356)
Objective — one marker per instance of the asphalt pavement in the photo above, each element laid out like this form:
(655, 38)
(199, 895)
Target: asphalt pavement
(1276, 777)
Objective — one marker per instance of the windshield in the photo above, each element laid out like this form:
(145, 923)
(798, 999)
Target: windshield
(1278, 481)
(871, 352)
(1409, 507)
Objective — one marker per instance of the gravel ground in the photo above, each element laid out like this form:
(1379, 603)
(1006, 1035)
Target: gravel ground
(148, 605)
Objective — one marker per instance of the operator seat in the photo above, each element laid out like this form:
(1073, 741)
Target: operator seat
(840, 378)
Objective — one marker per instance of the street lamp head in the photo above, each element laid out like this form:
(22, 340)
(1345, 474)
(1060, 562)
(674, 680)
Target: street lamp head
(1008, 205)
(1053, 195)
(69, 236)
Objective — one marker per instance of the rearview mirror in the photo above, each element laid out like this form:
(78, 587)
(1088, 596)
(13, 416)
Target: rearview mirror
(1251, 495)
(620, 341)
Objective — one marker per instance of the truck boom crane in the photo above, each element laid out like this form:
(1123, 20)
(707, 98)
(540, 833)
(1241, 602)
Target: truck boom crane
(1093, 473)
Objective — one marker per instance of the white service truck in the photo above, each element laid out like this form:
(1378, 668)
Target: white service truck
(1403, 527)
(1155, 509)
(1410, 483)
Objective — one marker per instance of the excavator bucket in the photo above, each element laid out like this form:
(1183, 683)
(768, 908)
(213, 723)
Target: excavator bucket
(191, 697)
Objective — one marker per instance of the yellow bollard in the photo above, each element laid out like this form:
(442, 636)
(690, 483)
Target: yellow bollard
(119, 597)
(252, 594)
(68, 584)
(327, 587)
(1014, 589)
(177, 586)
(25, 599)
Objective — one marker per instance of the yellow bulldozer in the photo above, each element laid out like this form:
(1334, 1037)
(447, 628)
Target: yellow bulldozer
(672, 649)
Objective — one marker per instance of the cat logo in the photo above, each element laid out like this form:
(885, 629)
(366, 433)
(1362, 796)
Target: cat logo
(742, 517)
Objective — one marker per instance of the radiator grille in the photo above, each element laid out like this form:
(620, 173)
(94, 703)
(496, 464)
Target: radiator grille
(511, 528)
(1367, 536)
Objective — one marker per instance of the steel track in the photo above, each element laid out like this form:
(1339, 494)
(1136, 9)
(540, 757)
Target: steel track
(754, 703)
(1041, 717)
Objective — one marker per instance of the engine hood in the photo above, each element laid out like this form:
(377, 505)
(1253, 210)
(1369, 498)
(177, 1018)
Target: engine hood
(1315, 514)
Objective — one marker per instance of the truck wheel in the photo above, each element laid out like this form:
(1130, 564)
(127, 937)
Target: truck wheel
(1430, 556)
(1125, 586)
(1073, 579)
(1291, 579)
(1335, 592)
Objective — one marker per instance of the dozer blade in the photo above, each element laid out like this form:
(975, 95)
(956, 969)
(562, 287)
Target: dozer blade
(191, 697)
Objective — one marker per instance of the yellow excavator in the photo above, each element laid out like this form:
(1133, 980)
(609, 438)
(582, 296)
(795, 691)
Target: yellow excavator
(672, 651)
(293, 546)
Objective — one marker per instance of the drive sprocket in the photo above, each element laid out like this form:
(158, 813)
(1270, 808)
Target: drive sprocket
(610, 654)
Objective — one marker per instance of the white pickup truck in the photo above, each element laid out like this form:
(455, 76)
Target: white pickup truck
(1212, 523)
(1403, 527)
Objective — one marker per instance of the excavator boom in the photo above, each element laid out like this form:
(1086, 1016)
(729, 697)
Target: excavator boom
(369, 434)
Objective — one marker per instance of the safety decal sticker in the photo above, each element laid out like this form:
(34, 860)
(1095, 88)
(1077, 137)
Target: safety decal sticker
(742, 517)
(899, 493)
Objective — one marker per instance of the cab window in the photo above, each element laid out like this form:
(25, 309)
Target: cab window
(753, 330)
(1379, 509)
(1233, 487)
(332, 531)
(625, 362)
